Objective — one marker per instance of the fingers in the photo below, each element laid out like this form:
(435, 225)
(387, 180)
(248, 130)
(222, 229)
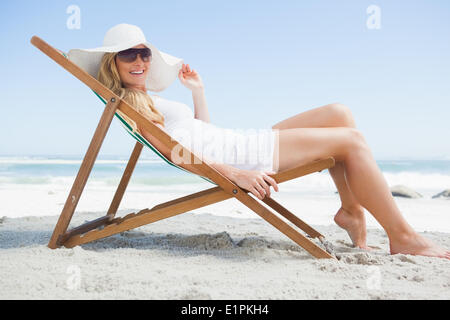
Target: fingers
(263, 183)
(258, 191)
(272, 182)
(265, 186)
(187, 69)
(263, 191)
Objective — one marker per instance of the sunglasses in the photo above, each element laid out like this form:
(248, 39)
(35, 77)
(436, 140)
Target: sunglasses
(130, 55)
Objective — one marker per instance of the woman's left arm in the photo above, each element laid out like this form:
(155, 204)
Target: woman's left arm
(192, 80)
(200, 105)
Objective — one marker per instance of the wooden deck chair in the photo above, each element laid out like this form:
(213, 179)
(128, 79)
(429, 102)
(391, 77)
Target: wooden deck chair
(224, 188)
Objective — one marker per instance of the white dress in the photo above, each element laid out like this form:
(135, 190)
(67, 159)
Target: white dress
(248, 149)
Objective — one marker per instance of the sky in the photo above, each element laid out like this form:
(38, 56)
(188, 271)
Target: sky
(261, 62)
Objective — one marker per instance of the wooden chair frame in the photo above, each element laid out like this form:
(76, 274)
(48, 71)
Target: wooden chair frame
(109, 225)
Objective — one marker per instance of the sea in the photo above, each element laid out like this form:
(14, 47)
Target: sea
(425, 175)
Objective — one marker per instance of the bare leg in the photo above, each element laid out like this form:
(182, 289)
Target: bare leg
(365, 180)
(361, 168)
(350, 215)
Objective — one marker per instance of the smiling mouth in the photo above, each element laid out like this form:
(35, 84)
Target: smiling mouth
(137, 72)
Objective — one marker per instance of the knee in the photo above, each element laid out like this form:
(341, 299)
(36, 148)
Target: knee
(343, 114)
(356, 140)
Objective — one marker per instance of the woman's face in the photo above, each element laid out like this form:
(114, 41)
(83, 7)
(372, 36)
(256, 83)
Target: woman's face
(133, 74)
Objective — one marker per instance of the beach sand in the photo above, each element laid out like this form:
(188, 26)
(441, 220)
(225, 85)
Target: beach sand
(206, 255)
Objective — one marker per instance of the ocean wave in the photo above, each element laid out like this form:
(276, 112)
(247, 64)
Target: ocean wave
(322, 183)
(154, 172)
(172, 180)
(419, 180)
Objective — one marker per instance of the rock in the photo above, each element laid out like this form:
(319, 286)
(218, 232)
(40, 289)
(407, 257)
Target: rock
(403, 191)
(443, 194)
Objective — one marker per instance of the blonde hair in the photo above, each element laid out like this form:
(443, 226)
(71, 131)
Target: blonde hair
(109, 76)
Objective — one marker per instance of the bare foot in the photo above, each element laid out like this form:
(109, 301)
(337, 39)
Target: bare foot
(354, 222)
(415, 244)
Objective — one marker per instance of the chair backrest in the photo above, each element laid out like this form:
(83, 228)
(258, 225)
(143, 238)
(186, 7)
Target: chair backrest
(144, 141)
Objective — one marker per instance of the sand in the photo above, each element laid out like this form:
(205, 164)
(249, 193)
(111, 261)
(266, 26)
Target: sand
(199, 255)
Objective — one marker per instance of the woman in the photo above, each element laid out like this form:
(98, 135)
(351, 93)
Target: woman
(318, 133)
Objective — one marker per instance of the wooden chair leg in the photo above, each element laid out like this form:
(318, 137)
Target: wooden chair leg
(125, 179)
(292, 218)
(83, 172)
(86, 227)
(282, 226)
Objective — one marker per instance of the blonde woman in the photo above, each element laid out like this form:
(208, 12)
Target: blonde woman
(326, 131)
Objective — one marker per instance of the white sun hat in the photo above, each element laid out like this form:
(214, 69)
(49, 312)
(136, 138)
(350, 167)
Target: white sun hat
(164, 68)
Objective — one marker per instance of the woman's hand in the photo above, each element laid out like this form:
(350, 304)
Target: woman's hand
(190, 78)
(257, 182)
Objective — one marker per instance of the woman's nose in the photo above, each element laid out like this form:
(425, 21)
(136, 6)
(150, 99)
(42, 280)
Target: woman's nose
(139, 59)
